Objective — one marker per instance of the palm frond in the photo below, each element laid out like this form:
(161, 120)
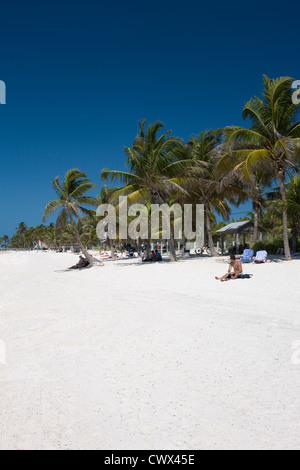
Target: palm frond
(52, 207)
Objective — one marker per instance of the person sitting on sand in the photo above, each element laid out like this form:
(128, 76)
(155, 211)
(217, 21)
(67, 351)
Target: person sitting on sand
(235, 266)
(152, 257)
(82, 263)
(157, 256)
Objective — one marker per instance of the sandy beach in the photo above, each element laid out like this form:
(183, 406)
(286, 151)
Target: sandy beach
(148, 356)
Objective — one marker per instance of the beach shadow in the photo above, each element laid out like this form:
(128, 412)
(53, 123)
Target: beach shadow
(125, 263)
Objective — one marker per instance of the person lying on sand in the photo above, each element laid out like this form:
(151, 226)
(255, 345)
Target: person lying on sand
(235, 266)
(82, 263)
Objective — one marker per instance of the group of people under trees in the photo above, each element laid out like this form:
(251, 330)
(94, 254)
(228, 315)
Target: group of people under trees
(84, 263)
(155, 256)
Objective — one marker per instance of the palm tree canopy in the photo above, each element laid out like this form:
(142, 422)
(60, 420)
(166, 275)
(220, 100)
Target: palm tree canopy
(293, 197)
(274, 134)
(273, 138)
(201, 179)
(72, 198)
(149, 163)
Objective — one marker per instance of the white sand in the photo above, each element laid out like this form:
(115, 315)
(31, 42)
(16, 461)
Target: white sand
(148, 356)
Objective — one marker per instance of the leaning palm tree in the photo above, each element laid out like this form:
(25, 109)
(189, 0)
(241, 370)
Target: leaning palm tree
(72, 199)
(273, 138)
(150, 177)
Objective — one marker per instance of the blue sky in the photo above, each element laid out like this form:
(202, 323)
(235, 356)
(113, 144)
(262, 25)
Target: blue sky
(80, 75)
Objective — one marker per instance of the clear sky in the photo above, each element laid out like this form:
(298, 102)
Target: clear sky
(79, 76)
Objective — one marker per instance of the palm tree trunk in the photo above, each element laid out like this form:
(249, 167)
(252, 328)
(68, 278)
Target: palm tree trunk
(173, 256)
(112, 250)
(172, 245)
(287, 252)
(138, 247)
(255, 208)
(89, 257)
(148, 252)
(209, 232)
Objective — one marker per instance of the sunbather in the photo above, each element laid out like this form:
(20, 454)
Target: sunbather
(82, 263)
(234, 271)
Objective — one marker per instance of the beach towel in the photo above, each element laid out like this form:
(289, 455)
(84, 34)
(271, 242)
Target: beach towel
(240, 276)
(247, 256)
(261, 257)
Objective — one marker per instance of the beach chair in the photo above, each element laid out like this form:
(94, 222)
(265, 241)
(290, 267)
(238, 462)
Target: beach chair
(261, 257)
(247, 256)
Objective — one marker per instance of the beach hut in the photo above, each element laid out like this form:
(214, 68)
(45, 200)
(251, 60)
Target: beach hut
(238, 229)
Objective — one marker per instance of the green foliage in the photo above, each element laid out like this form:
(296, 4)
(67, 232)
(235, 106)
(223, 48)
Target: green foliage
(270, 245)
(152, 166)
(272, 143)
(71, 192)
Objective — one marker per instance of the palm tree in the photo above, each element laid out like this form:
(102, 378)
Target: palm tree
(256, 192)
(22, 228)
(21, 234)
(273, 138)
(255, 185)
(204, 184)
(51, 235)
(150, 177)
(5, 240)
(293, 209)
(104, 197)
(89, 233)
(292, 206)
(71, 202)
